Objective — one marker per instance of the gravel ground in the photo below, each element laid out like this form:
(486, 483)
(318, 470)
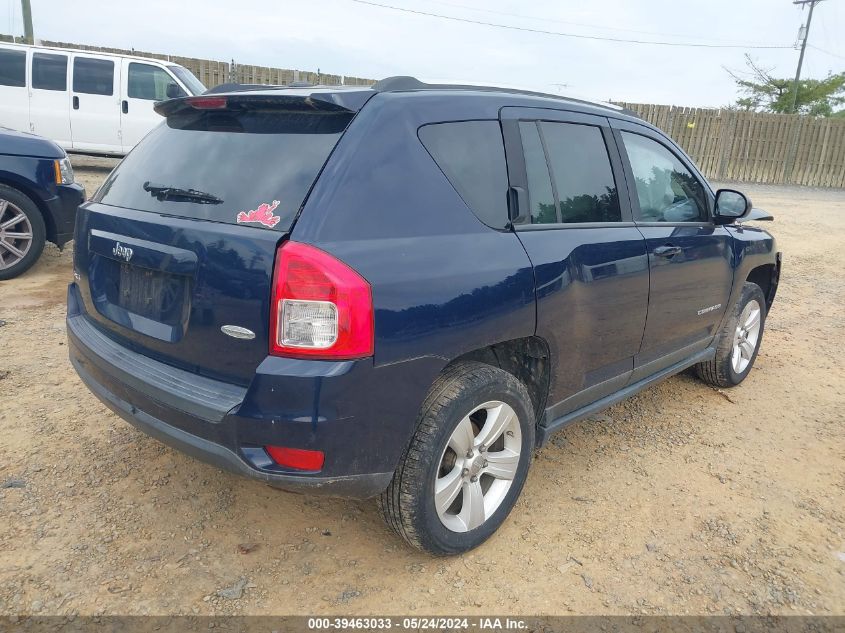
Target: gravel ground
(682, 500)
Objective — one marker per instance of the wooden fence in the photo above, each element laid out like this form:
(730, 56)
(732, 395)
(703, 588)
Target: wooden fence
(726, 144)
(756, 147)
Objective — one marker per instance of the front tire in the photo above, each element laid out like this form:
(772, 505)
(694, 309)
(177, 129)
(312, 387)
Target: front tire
(22, 233)
(467, 462)
(738, 342)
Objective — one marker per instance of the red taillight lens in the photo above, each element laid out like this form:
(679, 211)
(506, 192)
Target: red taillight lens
(207, 103)
(297, 458)
(321, 307)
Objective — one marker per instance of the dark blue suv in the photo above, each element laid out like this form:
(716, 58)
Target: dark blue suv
(400, 291)
(38, 199)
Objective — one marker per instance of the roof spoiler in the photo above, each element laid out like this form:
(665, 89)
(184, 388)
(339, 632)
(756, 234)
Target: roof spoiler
(295, 100)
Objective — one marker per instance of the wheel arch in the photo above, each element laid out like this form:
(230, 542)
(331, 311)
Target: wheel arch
(525, 358)
(766, 276)
(29, 191)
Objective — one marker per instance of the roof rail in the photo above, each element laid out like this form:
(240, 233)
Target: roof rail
(403, 83)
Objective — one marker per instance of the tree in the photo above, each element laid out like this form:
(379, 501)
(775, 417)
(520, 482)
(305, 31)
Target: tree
(762, 92)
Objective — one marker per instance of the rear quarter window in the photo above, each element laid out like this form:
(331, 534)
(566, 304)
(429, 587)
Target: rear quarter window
(472, 156)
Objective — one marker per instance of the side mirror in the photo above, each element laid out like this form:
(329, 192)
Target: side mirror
(174, 91)
(731, 205)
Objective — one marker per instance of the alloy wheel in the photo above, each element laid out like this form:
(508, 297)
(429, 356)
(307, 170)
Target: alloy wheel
(15, 234)
(478, 466)
(746, 336)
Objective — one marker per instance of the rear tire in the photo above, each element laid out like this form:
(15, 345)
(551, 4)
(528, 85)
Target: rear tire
(22, 233)
(738, 341)
(467, 462)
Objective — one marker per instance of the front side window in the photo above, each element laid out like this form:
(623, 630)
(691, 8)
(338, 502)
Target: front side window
(148, 82)
(12, 68)
(666, 190)
(49, 72)
(472, 156)
(93, 76)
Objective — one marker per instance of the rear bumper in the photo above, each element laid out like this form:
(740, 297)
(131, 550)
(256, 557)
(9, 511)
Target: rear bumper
(356, 486)
(227, 425)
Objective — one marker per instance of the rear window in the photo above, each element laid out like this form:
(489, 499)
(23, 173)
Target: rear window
(472, 155)
(251, 167)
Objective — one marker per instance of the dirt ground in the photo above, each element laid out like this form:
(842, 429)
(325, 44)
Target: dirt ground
(683, 500)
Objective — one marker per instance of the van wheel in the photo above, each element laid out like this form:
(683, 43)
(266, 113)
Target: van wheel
(22, 233)
(467, 462)
(738, 342)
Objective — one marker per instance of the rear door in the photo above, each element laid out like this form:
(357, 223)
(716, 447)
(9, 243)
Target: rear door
(49, 101)
(162, 272)
(95, 103)
(14, 96)
(689, 256)
(141, 86)
(590, 265)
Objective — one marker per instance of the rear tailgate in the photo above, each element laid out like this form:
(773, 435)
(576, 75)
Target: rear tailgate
(180, 240)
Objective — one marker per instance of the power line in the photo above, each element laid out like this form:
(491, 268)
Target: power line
(583, 24)
(560, 34)
(821, 50)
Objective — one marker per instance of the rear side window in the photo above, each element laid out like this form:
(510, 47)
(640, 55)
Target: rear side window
(251, 167)
(12, 68)
(148, 82)
(472, 155)
(49, 72)
(581, 173)
(540, 194)
(93, 76)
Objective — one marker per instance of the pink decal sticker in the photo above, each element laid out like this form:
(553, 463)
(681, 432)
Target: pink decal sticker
(263, 214)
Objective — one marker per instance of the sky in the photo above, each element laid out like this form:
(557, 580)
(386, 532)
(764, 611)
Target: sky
(352, 38)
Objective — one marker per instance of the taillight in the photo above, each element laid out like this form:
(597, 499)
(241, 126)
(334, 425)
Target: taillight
(321, 307)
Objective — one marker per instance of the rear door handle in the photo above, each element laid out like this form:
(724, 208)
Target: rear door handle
(667, 251)
(75, 102)
(125, 107)
(517, 204)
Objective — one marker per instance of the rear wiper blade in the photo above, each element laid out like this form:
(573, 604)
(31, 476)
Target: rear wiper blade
(164, 192)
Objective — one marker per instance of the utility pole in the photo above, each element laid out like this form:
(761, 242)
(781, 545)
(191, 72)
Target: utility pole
(792, 150)
(26, 12)
(806, 30)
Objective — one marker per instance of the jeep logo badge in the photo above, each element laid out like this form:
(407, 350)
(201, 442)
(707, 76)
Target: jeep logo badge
(123, 252)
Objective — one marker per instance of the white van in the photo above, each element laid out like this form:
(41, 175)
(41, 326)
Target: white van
(85, 101)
